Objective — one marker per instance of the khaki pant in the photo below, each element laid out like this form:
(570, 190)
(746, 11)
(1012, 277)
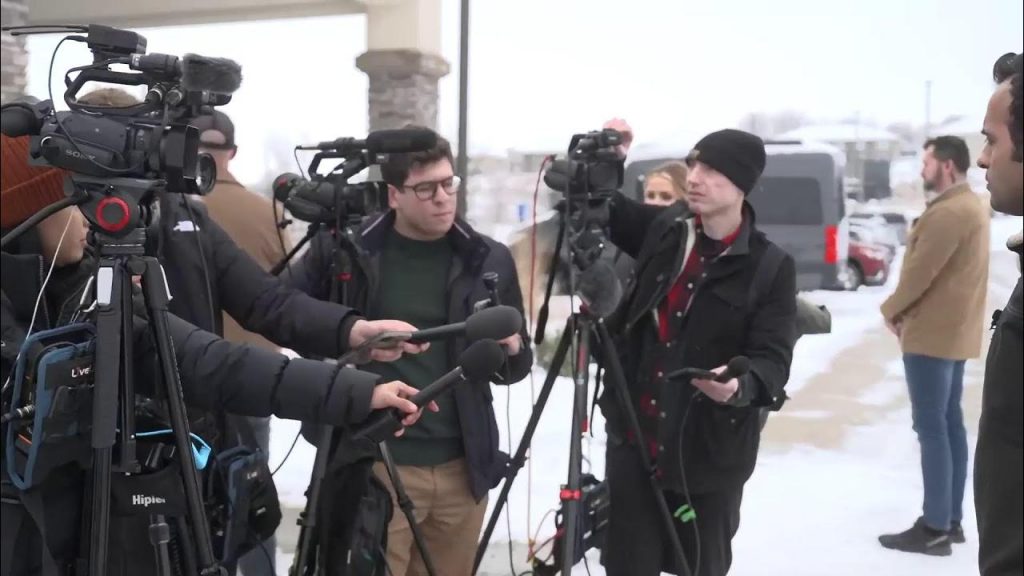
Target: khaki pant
(446, 513)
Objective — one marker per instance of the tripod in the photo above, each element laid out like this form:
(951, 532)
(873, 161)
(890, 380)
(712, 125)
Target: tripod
(122, 256)
(580, 328)
(306, 562)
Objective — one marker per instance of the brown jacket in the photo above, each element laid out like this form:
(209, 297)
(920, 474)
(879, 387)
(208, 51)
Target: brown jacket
(248, 219)
(940, 299)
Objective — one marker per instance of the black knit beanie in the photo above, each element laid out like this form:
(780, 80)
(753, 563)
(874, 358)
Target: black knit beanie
(738, 155)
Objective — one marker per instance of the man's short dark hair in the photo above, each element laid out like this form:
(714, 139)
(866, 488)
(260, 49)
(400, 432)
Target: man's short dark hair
(951, 148)
(1008, 68)
(398, 166)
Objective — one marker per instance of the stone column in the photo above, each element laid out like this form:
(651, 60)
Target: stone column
(13, 57)
(403, 62)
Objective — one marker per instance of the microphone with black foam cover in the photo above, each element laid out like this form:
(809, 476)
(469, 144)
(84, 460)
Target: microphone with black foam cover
(600, 288)
(383, 142)
(737, 366)
(20, 119)
(207, 74)
(476, 363)
(495, 323)
(557, 175)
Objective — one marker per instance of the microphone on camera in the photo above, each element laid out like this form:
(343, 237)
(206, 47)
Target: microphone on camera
(383, 142)
(557, 175)
(20, 119)
(207, 74)
(476, 363)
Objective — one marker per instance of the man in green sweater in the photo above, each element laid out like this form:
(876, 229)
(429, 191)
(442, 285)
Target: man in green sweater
(418, 262)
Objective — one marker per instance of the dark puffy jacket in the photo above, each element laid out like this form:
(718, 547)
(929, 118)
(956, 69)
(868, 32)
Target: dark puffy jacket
(215, 375)
(718, 444)
(999, 458)
(475, 254)
(261, 303)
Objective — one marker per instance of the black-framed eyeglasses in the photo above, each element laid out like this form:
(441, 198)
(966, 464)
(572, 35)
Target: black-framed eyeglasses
(426, 190)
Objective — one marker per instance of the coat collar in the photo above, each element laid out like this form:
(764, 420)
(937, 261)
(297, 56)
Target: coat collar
(469, 245)
(951, 192)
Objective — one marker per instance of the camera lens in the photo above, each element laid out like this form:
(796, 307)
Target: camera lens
(206, 173)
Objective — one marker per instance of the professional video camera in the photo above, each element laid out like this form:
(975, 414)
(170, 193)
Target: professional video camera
(146, 147)
(118, 160)
(328, 200)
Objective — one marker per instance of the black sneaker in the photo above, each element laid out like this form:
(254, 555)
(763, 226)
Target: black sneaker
(919, 539)
(956, 533)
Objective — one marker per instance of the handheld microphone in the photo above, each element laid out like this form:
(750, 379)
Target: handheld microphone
(478, 362)
(495, 323)
(737, 366)
(383, 142)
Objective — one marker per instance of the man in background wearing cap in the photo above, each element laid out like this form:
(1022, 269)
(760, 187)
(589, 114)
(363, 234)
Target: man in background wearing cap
(248, 219)
(709, 287)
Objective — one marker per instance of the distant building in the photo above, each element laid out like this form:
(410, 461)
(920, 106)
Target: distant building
(865, 146)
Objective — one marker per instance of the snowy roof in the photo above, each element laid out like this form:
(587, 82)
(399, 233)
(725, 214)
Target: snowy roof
(775, 148)
(839, 133)
(959, 127)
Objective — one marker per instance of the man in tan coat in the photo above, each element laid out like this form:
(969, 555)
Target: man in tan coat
(937, 312)
(248, 219)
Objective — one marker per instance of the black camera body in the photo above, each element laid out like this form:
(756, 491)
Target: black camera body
(124, 147)
(594, 169)
(127, 154)
(587, 179)
(329, 199)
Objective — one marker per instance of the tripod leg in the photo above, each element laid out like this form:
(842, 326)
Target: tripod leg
(110, 287)
(159, 536)
(615, 378)
(156, 297)
(519, 459)
(571, 492)
(305, 563)
(405, 503)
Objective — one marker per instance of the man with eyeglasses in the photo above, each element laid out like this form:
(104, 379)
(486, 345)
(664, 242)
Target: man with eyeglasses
(420, 263)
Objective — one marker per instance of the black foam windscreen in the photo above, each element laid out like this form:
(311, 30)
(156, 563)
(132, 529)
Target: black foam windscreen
(19, 119)
(206, 74)
(401, 141)
(600, 288)
(481, 359)
(557, 175)
(738, 366)
(495, 323)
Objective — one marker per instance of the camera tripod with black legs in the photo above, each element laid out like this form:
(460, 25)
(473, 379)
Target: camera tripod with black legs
(122, 256)
(581, 328)
(308, 561)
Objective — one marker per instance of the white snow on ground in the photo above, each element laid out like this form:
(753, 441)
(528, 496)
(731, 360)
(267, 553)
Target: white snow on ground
(806, 511)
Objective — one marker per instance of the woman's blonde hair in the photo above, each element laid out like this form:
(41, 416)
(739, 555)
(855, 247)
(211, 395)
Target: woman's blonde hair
(675, 171)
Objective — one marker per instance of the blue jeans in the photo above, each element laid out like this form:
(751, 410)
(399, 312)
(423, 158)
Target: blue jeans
(936, 386)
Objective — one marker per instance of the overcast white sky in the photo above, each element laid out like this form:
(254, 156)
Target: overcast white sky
(541, 70)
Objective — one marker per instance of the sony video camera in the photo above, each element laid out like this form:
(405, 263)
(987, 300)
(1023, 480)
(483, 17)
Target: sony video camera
(329, 198)
(137, 150)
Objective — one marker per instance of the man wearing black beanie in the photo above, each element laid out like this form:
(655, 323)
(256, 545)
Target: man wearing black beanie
(709, 287)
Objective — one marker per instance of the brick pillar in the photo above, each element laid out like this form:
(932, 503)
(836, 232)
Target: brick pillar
(403, 87)
(13, 57)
